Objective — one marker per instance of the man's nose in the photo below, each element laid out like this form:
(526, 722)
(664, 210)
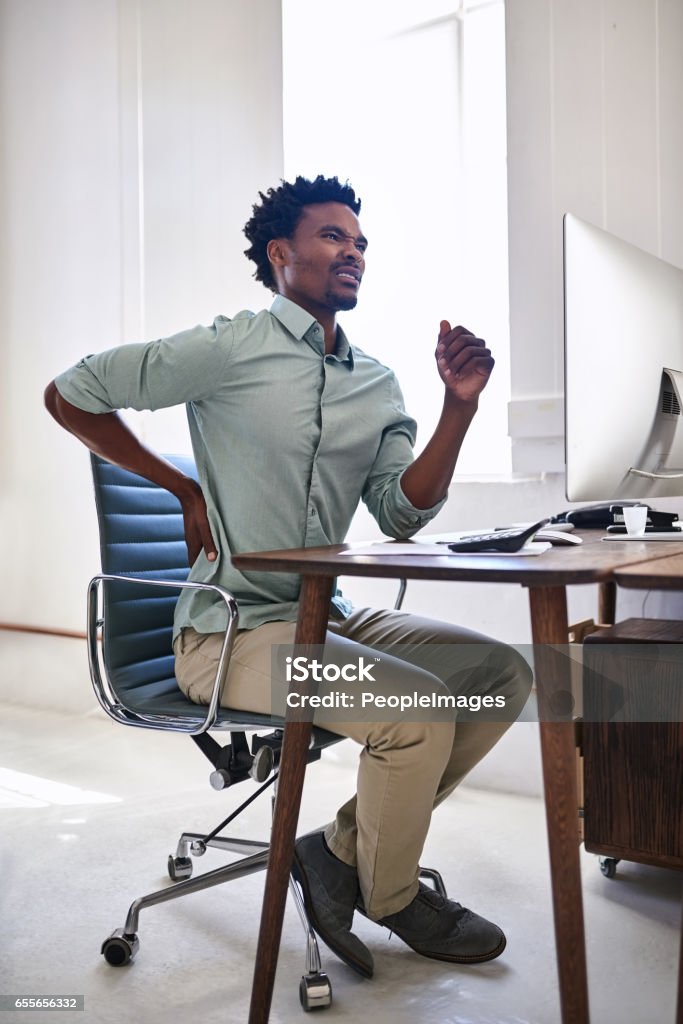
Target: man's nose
(351, 251)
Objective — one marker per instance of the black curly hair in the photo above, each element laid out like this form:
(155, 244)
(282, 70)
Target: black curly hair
(279, 212)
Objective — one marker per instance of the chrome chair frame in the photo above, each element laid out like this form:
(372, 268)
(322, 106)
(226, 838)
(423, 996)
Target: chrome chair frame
(102, 685)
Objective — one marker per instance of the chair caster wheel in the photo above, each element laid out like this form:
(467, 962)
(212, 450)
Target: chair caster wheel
(315, 992)
(608, 866)
(179, 868)
(262, 765)
(119, 948)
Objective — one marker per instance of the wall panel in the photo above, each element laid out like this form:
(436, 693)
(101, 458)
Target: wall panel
(136, 134)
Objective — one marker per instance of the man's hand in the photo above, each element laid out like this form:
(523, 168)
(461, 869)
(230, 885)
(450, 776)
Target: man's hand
(463, 361)
(196, 522)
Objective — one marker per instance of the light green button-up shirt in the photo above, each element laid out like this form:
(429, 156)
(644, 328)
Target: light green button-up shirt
(287, 440)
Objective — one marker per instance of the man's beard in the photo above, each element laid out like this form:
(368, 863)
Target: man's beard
(339, 303)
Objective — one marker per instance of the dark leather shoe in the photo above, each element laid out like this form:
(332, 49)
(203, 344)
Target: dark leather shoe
(330, 890)
(444, 930)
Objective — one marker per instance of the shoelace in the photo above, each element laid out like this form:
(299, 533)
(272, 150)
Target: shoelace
(437, 902)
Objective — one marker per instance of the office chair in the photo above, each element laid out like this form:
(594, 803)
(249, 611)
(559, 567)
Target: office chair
(130, 606)
(130, 609)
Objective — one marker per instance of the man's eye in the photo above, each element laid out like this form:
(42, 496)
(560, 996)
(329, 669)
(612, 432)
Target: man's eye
(331, 234)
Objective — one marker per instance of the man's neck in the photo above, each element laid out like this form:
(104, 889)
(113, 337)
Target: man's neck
(330, 330)
(327, 319)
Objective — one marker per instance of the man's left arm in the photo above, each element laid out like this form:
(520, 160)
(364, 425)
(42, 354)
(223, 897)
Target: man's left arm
(464, 364)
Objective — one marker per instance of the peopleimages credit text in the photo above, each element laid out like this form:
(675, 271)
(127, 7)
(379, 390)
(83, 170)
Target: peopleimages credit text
(404, 701)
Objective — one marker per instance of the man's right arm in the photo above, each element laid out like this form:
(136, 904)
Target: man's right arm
(107, 435)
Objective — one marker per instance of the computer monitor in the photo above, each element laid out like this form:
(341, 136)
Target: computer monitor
(623, 369)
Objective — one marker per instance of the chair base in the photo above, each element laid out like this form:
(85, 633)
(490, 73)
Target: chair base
(121, 947)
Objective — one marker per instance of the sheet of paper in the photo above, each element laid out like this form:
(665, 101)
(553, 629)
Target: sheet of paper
(389, 548)
(670, 536)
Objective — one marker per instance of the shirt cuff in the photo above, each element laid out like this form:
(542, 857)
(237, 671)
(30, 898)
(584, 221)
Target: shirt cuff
(405, 517)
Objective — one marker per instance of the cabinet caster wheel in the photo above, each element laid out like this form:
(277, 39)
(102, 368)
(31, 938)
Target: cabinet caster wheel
(608, 866)
(179, 868)
(119, 948)
(315, 992)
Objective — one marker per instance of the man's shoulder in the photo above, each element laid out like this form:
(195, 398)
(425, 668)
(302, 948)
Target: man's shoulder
(371, 363)
(246, 321)
(243, 318)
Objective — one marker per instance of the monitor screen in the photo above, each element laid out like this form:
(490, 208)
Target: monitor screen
(623, 368)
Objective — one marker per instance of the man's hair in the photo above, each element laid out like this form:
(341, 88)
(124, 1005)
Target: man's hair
(279, 212)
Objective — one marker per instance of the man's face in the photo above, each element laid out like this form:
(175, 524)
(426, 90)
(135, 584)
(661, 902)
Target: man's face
(321, 266)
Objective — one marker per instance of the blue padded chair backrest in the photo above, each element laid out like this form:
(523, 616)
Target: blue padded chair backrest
(141, 535)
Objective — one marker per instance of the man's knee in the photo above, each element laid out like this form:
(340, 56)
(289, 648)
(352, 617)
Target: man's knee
(424, 737)
(513, 677)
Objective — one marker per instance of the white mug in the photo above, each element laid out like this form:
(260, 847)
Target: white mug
(635, 518)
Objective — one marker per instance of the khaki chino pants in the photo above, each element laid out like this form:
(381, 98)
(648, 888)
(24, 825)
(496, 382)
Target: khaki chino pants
(411, 759)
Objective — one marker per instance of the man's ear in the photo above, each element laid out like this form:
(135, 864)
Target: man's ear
(277, 251)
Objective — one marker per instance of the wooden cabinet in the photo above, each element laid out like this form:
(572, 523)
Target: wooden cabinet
(632, 741)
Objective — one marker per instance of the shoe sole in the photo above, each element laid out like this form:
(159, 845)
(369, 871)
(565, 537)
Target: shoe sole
(453, 959)
(328, 938)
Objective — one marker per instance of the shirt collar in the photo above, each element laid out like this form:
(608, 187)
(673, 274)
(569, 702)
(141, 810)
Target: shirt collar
(299, 322)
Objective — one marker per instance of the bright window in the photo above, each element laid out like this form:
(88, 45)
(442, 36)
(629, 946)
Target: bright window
(408, 103)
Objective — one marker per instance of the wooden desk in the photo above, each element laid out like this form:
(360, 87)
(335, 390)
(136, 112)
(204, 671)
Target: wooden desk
(546, 578)
(660, 573)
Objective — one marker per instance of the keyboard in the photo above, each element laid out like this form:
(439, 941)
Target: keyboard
(498, 540)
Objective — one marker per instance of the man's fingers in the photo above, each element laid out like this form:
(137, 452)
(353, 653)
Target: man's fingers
(461, 342)
(444, 330)
(480, 360)
(450, 336)
(197, 530)
(208, 544)
(195, 545)
(206, 540)
(454, 333)
(466, 347)
(193, 550)
(459, 354)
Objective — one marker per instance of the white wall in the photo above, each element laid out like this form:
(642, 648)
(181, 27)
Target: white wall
(434, 191)
(135, 135)
(595, 89)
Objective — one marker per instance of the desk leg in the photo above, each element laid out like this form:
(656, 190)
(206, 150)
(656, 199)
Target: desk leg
(679, 1012)
(314, 610)
(607, 603)
(548, 607)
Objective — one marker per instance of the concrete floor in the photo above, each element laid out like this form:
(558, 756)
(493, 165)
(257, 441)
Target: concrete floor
(90, 812)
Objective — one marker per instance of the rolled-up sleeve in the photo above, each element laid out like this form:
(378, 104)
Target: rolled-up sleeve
(383, 495)
(171, 371)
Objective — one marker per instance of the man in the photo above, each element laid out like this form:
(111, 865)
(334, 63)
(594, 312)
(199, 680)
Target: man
(291, 426)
